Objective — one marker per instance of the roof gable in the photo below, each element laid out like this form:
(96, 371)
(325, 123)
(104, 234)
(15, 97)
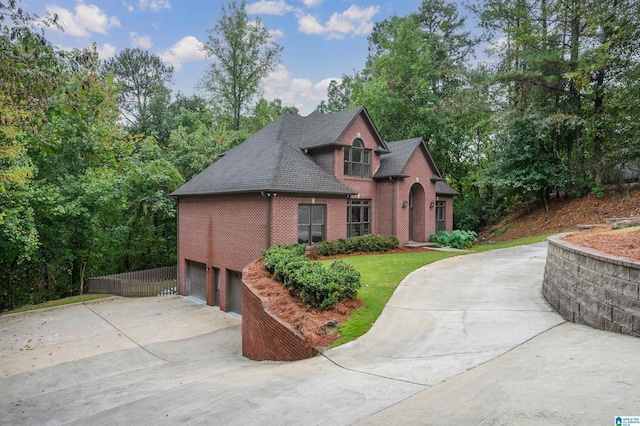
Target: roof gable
(328, 129)
(392, 164)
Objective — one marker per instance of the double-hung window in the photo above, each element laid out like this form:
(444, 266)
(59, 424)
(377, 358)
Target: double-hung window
(311, 223)
(357, 160)
(358, 218)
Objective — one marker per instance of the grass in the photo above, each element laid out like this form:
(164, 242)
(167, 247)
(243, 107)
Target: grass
(381, 274)
(58, 302)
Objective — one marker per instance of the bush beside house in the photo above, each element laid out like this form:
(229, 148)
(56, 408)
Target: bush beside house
(317, 286)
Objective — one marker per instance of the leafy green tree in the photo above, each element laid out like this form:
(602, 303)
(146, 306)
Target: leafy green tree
(244, 53)
(265, 112)
(28, 76)
(338, 96)
(192, 149)
(416, 66)
(143, 79)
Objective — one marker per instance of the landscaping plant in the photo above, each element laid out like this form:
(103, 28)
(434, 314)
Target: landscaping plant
(457, 239)
(317, 286)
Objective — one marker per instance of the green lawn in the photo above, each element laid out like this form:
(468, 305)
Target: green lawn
(382, 273)
(58, 302)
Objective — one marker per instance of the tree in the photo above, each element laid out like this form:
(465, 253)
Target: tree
(244, 54)
(29, 75)
(338, 96)
(142, 76)
(415, 71)
(563, 65)
(265, 112)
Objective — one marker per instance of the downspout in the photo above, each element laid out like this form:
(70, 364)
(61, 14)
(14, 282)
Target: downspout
(394, 203)
(269, 207)
(178, 268)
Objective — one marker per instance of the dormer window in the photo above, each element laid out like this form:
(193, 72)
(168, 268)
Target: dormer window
(357, 160)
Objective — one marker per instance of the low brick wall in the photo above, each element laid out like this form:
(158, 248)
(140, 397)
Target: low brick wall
(264, 336)
(589, 287)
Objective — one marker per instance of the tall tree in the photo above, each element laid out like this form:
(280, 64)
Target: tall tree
(562, 65)
(143, 78)
(29, 75)
(415, 70)
(244, 53)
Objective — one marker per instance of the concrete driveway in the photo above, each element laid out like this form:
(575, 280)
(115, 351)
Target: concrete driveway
(468, 339)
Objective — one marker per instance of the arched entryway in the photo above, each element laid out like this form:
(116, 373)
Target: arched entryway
(417, 213)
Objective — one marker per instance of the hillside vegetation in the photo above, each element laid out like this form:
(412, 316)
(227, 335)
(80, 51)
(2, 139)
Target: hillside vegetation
(564, 214)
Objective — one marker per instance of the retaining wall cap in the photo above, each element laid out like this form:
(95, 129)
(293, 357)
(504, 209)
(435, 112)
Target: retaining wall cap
(593, 253)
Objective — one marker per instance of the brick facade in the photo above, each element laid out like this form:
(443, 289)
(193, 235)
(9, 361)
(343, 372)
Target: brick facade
(266, 337)
(226, 232)
(223, 232)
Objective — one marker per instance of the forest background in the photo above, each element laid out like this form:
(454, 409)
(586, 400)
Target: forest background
(90, 150)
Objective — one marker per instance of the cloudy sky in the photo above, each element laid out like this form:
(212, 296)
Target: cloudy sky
(322, 39)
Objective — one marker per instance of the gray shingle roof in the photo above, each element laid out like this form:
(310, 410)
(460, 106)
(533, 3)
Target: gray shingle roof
(270, 160)
(393, 163)
(444, 189)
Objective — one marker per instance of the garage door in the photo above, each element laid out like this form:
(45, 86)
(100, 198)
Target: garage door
(197, 280)
(234, 296)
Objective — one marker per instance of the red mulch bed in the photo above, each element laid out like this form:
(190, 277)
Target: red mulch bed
(623, 243)
(292, 311)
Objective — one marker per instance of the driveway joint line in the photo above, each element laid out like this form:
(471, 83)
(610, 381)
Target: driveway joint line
(467, 310)
(374, 375)
(127, 336)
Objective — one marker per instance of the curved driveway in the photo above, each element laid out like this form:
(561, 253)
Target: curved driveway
(467, 339)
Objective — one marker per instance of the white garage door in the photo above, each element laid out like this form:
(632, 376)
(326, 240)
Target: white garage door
(197, 280)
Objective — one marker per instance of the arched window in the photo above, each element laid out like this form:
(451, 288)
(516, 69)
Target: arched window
(357, 160)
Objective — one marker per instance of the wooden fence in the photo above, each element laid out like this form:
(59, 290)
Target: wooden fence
(150, 282)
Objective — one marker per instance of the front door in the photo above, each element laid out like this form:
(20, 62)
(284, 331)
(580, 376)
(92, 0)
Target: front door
(411, 215)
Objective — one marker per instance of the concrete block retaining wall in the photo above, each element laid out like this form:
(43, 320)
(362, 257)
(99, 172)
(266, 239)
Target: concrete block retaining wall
(593, 288)
(264, 336)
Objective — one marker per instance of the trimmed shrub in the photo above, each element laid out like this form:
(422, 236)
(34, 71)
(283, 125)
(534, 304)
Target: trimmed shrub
(276, 254)
(365, 243)
(318, 287)
(457, 239)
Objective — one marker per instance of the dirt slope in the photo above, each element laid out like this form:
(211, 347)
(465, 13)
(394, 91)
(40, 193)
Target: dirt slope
(564, 215)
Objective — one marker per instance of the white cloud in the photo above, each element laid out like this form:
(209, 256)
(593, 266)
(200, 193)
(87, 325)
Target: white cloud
(128, 6)
(87, 18)
(106, 51)
(301, 85)
(142, 41)
(355, 20)
(154, 5)
(278, 78)
(187, 49)
(302, 93)
(269, 7)
(308, 24)
(312, 3)
(276, 34)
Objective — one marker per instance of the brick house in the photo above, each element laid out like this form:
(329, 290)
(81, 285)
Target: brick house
(303, 180)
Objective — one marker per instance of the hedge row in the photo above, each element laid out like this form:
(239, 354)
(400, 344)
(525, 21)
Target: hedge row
(366, 243)
(317, 286)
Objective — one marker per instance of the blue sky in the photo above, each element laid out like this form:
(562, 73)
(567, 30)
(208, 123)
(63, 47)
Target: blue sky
(322, 39)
